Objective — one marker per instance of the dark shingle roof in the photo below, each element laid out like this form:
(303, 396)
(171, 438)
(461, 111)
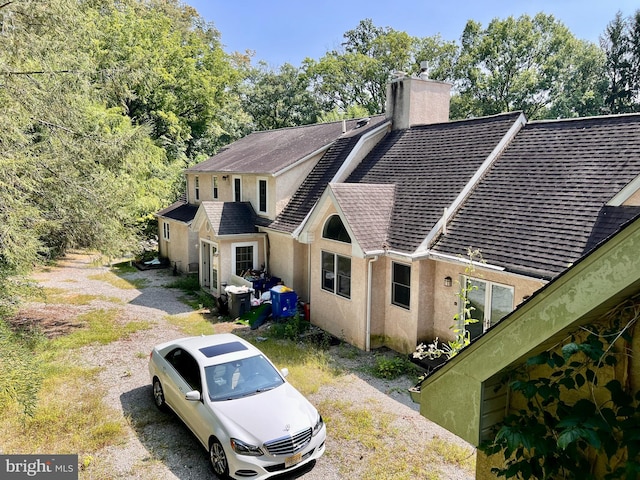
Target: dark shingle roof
(429, 165)
(367, 209)
(535, 211)
(231, 218)
(610, 220)
(180, 211)
(271, 151)
(324, 171)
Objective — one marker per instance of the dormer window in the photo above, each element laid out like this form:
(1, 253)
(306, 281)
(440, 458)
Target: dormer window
(334, 229)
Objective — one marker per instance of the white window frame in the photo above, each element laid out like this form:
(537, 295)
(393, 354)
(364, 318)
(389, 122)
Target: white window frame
(336, 277)
(166, 232)
(259, 181)
(234, 246)
(197, 187)
(214, 187)
(487, 321)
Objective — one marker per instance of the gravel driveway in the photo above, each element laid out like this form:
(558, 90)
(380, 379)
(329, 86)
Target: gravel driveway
(158, 446)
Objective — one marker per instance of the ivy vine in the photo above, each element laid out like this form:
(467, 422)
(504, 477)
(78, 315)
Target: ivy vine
(579, 418)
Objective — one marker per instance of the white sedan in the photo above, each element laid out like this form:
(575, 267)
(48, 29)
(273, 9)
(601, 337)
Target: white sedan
(240, 407)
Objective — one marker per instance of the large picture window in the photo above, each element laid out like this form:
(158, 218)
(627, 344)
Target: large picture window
(401, 285)
(489, 301)
(336, 274)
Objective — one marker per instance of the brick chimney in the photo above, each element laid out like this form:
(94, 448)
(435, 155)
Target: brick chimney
(417, 101)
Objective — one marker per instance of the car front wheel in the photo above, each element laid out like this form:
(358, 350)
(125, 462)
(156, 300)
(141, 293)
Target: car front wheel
(218, 459)
(158, 395)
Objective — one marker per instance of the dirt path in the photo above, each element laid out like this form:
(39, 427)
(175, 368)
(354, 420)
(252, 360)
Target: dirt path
(157, 446)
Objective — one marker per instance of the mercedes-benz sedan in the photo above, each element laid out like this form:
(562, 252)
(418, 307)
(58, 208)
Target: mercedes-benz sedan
(253, 423)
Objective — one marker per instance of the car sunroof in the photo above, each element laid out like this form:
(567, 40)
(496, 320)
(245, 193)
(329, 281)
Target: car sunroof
(215, 350)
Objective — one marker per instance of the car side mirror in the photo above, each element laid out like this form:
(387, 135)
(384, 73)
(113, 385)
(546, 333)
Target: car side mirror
(284, 372)
(193, 396)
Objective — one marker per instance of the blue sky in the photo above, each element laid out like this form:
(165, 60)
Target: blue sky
(280, 31)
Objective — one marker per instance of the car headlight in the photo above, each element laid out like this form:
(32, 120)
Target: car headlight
(318, 426)
(242, 448)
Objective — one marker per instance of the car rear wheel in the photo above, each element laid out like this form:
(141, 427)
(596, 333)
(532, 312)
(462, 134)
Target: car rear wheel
(218, 459)
(158, 395)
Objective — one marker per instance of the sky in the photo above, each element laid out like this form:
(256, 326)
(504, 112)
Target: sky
(281, 31)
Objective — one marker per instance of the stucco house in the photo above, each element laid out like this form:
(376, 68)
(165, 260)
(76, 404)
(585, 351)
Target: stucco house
(468, 395)
(372, 224)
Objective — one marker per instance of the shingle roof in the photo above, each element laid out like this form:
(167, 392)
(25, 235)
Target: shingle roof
(324, 171)
(429, 165)
(271, 151)
(180, 211)
(230, 218)
(367, 209)
(535, 211)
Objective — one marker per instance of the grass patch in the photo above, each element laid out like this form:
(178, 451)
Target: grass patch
(62, 296)
(119, 282)
(392, 367)
(309, 366)
(70, 416)
(383, 448)
(186, 283)
(101, 327)
(192, 323)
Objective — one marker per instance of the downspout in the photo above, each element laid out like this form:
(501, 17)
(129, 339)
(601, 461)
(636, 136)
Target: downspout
(369, 296)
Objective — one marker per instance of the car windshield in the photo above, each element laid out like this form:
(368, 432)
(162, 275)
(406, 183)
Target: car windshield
(240, 378)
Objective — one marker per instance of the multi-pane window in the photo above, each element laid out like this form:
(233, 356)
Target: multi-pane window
(215, 188)
(165, 230)
(401, 285)
(336, 274)
(262, 196)
(244, 259)
(237, 190)
(197, 187)
(489, 303)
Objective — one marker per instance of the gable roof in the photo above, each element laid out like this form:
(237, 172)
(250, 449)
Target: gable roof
(271, 151)
(430, 165)
(228, 218)
(465, 384)
(322, 173)
(367, 209)
(534, 212)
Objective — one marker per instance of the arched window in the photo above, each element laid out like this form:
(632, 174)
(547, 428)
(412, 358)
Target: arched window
(334, 230)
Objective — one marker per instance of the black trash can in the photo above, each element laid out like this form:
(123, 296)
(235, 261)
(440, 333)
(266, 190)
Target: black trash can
(239, 303)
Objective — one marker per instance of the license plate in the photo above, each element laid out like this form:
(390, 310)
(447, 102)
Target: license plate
(292, 460)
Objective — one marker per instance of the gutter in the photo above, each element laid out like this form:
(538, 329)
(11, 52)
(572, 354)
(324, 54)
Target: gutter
(369, 296)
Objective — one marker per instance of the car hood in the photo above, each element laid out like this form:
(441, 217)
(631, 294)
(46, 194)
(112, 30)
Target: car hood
(268, 415)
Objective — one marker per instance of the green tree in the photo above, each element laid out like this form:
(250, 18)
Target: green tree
(616, 45)
(527, 64)
(279, 99)
(165, 67)
(358, 73)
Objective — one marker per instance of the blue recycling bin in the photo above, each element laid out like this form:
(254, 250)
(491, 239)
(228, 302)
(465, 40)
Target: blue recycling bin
(284, 302)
